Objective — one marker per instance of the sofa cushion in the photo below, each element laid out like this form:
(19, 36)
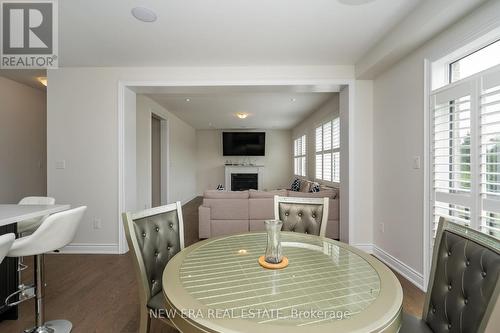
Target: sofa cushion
(261, 209)
(331, 193)
(333, 209)
(267, 194)
(214, 194)
(227, 209)
(332, 229)
(228, 227)
(257, 225)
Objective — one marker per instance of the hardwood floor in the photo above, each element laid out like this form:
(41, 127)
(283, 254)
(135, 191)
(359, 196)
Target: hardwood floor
(98, 293)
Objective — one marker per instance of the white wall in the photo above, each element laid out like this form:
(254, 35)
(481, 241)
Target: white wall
(22, 141)
(398, 136)
(130, 152)
(277, 162)
(82, 120)
(325, 112)
(181, 181)
(361, 148)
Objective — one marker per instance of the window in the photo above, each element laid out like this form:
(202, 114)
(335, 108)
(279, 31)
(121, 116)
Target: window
(476, 62)
(328, 151)
(466, 152)
(299, 156)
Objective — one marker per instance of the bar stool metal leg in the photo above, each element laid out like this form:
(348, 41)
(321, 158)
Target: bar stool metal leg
(53, 326)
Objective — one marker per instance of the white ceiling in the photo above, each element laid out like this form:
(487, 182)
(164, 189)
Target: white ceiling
(267, 110)
(224, 32)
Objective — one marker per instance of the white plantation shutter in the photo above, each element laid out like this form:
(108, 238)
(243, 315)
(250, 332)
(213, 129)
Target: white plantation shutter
(327, 166)
(465, 151)
(336, 167)
(328, 151)
(319, 139)
(336, 150)
(451, 151)
(319, 166)
(327, 136)
(299, 156)
(336, 133)
(489, 106)
(319, 153)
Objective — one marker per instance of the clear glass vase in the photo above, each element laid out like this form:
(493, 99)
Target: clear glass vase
(273, 249)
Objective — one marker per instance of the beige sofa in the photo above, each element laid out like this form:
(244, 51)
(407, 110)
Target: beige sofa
(225, 213)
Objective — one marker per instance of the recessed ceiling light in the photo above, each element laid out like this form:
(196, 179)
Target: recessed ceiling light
(144, 14)
(188, 99)
(242, 115)
(355, 2)
(42, 80)
(293, 99)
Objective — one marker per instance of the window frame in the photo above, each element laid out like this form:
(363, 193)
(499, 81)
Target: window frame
(477, 202)
(465, 55)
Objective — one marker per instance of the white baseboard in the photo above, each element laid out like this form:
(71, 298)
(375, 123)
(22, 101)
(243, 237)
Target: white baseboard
(368, 248)
(90, 248)
(406, 271)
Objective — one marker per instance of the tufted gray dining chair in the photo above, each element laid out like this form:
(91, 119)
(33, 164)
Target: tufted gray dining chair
(464, 284)
(304, 215)
(154, 235)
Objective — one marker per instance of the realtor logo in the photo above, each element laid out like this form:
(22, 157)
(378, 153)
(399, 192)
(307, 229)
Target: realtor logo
(29, 34)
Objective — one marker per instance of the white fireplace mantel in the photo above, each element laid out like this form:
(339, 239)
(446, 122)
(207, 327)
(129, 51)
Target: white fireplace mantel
(230, 169)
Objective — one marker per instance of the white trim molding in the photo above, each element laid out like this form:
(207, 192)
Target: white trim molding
(406, 271)
(368, 248)
(90, 248)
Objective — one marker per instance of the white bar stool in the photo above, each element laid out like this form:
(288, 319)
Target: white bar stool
(55, 232)
(28, 226)
(24, 228)
(5, 244)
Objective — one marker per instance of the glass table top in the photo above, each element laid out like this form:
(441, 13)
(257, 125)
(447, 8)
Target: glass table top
(323, 282)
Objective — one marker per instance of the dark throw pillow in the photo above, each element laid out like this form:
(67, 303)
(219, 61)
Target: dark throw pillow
(295, 185)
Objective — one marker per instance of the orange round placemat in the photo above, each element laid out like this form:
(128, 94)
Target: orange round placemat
(265, 264)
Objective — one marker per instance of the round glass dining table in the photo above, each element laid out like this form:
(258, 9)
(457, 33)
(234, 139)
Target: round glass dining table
(217, 285)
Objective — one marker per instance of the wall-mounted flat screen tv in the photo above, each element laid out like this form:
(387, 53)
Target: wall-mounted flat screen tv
(244, 143)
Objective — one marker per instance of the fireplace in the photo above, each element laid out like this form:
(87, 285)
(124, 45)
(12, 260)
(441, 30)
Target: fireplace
(243, 177)
(244, 181)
